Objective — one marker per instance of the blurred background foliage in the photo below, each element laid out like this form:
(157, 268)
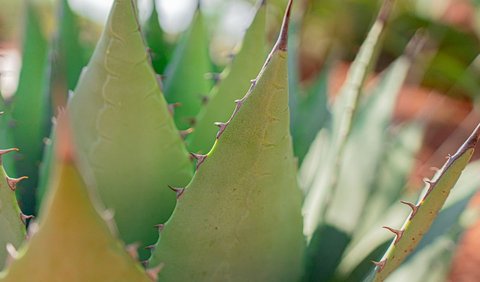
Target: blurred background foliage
(327, 28)
(327, 35)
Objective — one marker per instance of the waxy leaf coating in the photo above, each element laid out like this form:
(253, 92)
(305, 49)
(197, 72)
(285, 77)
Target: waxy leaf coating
(239, 219)
(245, 66)
(125, 134)
(72, 242)
(423, 213)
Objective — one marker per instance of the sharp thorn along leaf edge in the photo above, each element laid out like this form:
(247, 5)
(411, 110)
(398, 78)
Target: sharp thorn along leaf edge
(12, 182)
(70, 222)
(240, 186)
(213, 201)
(178, 191)
(423, 214)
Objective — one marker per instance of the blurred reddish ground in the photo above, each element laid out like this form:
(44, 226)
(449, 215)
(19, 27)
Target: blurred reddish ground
(466, 263)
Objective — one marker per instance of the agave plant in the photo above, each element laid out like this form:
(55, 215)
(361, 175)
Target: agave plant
(122, 199)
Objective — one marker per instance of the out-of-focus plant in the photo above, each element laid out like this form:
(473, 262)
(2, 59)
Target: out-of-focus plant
(252, 201)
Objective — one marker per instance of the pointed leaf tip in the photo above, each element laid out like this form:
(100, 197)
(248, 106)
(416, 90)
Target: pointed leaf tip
(65, 147)
(416, 44)
(283, 37)
(385, 10)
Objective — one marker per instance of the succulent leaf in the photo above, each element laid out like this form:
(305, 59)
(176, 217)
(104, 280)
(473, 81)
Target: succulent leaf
(125, 133)
(12, 228)
(425, 212)
(66, 58)
(324, 252)
(66, 61)
(245, 67)
(239, 219)
(6, 136)
(294, 90)
(160, 49)
(30, 104)
(436, 256)
(435, 250)
(70, 224)
(46, 167)
(454, 208)
(357, 262)
(352, 178)
(185, 80)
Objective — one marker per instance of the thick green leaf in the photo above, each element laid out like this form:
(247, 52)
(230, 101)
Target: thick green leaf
(30, 110)
(361, 270)
(66, 61)
(72, 242)
(12, 226)
(432, 265)
(6, 136)
(436, 249)
(239, 219)
(425, 212)
(455, 206)
(186, 82)
(160, 49)
(373, 244)
(46, 168)
(294, 90)
(66, 56)
(244, 68)
(124, 132)
(321, 265)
